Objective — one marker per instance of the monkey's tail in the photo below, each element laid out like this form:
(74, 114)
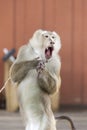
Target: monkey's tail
(68, 119)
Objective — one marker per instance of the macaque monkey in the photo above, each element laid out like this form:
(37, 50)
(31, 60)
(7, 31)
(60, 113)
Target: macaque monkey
(37, 74)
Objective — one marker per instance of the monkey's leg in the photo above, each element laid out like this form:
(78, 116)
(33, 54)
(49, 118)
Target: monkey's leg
(19, 70)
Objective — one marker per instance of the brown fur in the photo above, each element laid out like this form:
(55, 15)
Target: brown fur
(20, 70)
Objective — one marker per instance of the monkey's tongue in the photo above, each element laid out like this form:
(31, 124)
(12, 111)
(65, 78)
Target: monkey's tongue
(48, 52)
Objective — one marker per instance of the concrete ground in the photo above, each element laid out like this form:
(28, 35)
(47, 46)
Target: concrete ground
(13, 121)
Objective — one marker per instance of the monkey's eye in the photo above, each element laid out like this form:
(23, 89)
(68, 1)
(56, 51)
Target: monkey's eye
(53, 37)
(46, 36)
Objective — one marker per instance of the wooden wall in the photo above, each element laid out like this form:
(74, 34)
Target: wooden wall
(20, 18)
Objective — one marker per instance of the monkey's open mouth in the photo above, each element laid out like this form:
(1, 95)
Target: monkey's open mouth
(48, 52)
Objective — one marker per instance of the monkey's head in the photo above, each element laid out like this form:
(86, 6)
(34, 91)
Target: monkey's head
(46, 43)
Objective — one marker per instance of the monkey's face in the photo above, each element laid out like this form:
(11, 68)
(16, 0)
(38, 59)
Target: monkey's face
(47, 42)
(50, 43)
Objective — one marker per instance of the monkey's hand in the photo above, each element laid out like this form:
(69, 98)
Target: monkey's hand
(40, 67)
(19, 70)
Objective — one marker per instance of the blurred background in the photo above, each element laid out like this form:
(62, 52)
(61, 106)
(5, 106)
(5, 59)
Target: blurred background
(20, 18)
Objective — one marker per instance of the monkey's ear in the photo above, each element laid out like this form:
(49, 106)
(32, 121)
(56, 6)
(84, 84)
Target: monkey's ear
(56, 34)
(37, 33)
(36, 39)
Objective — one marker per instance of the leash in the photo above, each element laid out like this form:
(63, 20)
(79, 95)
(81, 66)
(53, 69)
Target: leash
(5, 85)
(68, 119)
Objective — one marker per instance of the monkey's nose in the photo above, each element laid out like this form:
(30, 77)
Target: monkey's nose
(52, 42)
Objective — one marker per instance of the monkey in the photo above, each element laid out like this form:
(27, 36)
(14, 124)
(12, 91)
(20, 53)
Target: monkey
(22, 66)
(36, 71)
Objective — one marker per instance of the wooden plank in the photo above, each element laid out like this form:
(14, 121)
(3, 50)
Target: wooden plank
(63, 26)
(33, 17)
(9, 121)
(84, 44)
(77, 52)
(49, 14)
(6, 31)
(29, 15)
(13, 121)
(19, 27)
(6, 25)
(10, 90)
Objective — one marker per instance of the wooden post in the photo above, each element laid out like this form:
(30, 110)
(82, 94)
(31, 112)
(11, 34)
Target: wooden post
(55, 101)
(10, 90)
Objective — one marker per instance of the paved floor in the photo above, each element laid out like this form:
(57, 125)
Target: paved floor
(13, 121)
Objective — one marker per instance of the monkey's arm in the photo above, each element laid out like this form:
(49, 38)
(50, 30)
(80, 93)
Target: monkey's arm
(49, 83)
(19, 70)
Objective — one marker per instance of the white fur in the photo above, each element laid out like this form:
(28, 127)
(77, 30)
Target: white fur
(29, 93)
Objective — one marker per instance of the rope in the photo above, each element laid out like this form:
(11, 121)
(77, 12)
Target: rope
(5, 85)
